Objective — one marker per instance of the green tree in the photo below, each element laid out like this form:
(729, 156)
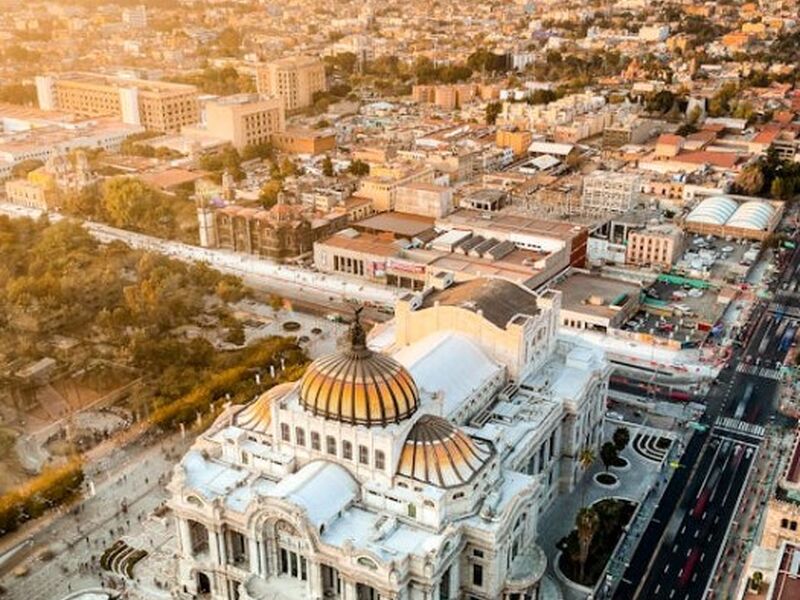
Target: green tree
(756, 581)
(493, 110)
(621, 437)
(608, 454)
(587, 522)
(327, 166)
(288, 168)
(263, 150)
(21, 169)
(269, 193)
(720, 103)
(129, 203)
(750, 180)
(86, 203)
(15, 93)
(358, 167)
(782, 188)
(229, 42)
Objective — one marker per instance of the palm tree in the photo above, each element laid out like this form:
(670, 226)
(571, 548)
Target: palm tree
(608, 454)
(585, 457)
(621, 438)
(587, 522)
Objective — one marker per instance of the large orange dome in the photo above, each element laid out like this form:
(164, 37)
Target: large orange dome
(359, 386)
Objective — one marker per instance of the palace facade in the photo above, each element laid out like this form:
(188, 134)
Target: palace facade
(412, 467)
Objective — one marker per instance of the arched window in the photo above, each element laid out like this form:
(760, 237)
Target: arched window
(285, 432)
(300, 436)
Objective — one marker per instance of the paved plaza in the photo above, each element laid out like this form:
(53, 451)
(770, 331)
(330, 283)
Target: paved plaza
(67, 547)
(642, 482)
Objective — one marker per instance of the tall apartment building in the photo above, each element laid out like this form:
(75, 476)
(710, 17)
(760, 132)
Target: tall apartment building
(295, 79)
(245, 119)
(155, 105)
(608, 191)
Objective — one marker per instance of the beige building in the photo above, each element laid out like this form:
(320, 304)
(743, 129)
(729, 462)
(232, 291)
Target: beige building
(516, 139)
(295, 79)
(657, 246)
(596, 303)
(304, 141)
(245, 119)
(381, 187)
(155, 105)
(28, 194)
(425, 199)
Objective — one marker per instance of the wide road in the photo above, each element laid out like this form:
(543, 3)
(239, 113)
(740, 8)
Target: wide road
(678, 552)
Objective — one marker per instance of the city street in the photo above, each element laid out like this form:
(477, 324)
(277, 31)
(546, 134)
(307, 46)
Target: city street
(716, 465)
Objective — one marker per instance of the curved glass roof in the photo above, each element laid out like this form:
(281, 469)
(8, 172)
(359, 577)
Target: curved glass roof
(715, 211)
(754, 214)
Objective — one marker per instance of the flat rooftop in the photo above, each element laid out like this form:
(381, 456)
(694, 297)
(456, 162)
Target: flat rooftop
(515, 266)
(100, 79)
(367, 243)
(578, 288)
(403, 224)
(510, 223)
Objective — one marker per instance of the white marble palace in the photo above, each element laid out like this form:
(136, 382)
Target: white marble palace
(410, 467)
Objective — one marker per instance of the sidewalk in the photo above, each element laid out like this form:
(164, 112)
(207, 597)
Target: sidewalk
(636, 483)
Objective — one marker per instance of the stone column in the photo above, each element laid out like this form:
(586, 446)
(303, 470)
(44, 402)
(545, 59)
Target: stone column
(253, 558)
(348, 590)
(213, 547)
(314, 579)
(184, 536)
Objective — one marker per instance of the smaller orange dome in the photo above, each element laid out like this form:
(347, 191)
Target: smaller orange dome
(438, 453)
(257, 415)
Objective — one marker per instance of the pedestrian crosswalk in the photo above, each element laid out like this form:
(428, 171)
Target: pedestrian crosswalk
(735, 425)
(766, 372)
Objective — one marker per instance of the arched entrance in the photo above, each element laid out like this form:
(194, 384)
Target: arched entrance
(203, 584)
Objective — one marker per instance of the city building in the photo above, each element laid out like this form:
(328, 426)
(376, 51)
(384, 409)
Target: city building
(135, 16)
(724, 216)
(782, 515)
(244, 119)
(516, 139)
(294, 79)
(42, 188)
(304, 141)
(607, 191)
(594, 302)
(411, 466)
(658, 246)
(282, 232)
(424, 199)
(383, 183)
(155, 105)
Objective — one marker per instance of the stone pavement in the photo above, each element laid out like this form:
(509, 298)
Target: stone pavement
(69, 546)
(636, 484)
